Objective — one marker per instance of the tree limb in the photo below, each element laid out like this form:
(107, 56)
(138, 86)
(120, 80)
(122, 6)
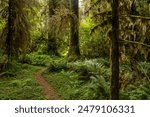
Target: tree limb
(134, 42)
(136, 16)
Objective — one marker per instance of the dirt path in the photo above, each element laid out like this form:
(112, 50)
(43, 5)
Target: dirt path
(48, 90)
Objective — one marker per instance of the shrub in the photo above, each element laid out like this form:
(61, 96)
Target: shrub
(37, 59)
(57, 65)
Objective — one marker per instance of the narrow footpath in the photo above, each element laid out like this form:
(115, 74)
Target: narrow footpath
(48, 91)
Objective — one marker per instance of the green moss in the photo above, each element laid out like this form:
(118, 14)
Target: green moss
(21, 87)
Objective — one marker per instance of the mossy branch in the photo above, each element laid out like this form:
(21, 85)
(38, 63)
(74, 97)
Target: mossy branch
(134, 42)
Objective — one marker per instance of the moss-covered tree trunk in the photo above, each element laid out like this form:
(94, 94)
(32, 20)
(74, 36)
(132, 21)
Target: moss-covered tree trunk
(52, 44)
(16, 33)
(114, 88)
(9, 38)
(74, 51)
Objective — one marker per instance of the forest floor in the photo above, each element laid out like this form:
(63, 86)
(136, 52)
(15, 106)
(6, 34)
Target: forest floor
(25, 82)
(19, 83)
(56, 79)
(48, 90)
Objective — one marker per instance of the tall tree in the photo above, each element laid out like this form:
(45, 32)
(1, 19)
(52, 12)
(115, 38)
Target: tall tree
(114, 88)
(52, 45)
(74, 50)
(16, 33)
(11, 19)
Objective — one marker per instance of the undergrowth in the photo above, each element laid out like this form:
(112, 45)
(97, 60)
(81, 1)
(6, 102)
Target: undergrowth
(19, 83)
(81, 80)
(89, 79)
(136, 83)
(37, 59)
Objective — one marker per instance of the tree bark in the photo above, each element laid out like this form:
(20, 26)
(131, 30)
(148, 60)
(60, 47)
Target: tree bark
(9, 38)
(114, 88)
(52, 44)
(74, 34)
(17, 30)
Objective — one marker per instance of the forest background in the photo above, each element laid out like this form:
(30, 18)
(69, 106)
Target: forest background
(87, 49)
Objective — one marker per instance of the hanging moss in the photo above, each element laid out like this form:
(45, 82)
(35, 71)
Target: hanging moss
(16, 33)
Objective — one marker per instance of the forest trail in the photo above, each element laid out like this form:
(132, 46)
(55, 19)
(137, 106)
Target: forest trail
(48, 90)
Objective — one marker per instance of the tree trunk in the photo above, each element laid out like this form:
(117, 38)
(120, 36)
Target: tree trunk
(9, 38)
(74, 50)
(17, 34)
(114, 88)
(52, 44)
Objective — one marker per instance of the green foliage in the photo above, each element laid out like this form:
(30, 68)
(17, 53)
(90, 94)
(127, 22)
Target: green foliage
(21, 85)
(93, 44)
(93, 67)
(89, 79)
(83, 80)
(57, 65)
(143, 7)
(135, 83)
(134, 93)
(2, 57)
(37, 59)
(53, 63)
(2, 24)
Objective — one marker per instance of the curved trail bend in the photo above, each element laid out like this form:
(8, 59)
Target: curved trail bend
(48, 90)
